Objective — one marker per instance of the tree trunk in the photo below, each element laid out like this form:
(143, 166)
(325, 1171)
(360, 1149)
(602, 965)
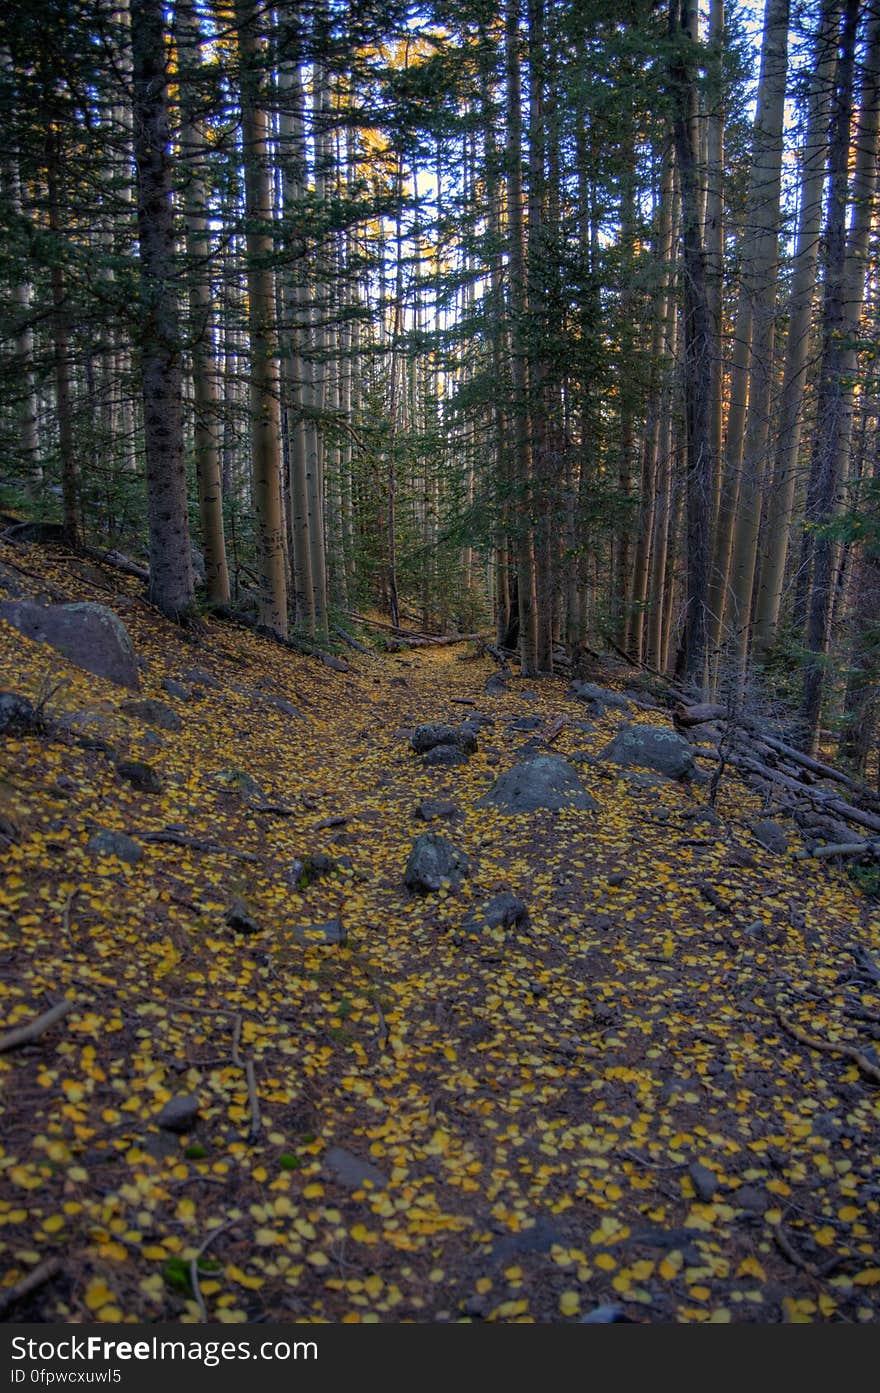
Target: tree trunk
(171, 578)
(264, 375)
(204, 368)
(797, 355)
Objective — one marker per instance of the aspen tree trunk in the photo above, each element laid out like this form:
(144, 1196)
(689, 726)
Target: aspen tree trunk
(698, 348)
(265, 386)
(521, 453)
(498, 341)
(204, 368)
(844, 294)
(297, 370)
(714, 238)
(171, 578)
(759, 283)
(797, 354)
(651, 441)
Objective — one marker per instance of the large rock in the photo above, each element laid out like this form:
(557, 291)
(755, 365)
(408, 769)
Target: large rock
(543, 781)
(435, 862)
(140, 775)
(90, 635)
(652, 747)
(118, 844)
(597, 698)
(444, 756)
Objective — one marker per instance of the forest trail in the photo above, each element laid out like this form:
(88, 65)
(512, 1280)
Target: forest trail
(606, 1106)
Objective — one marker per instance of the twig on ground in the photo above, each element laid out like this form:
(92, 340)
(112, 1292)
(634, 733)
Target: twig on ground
(24, 1034)
(194, 1265)
(250, 1075)
(862, 1062)
(236, 1040)
(38, 1277)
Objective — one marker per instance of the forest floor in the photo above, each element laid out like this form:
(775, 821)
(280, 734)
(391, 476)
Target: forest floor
(602, 1108)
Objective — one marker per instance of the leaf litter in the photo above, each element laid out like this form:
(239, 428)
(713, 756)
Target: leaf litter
(627, 1101)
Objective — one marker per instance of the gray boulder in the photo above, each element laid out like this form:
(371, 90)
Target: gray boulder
(652, 747)
(90, 635)
(434, 862)
(124, 848)
(154, 713)
(597, 698)
(542, 781)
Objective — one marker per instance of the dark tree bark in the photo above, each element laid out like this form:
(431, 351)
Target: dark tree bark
(171, 577)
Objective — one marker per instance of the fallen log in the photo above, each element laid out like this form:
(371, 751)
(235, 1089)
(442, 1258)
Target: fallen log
(861, 848)
(698, 714)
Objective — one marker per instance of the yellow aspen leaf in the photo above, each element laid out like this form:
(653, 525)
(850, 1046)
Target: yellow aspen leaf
(868, 1277)
(569, 1303)
(97, 1294)
(750, 1267)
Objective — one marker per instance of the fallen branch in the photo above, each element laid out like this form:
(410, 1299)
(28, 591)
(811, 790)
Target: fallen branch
(861, 848)
(863, 1063)
(251, 1077)
(353, 643)
(276, 809)
(194, 1265)
(167, 838)
(38, 1277)
(24, 1034)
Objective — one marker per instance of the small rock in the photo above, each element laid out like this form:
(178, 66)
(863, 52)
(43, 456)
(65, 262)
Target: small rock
(528, 695)
(337, 664)
(704, 1180)
(597, 698)
(607, 1314)
(432, 734)
(617, 878)
(757, 929)
(124, 848)
(353, 1172)
(444, 757)
(526, 723)
(434, 862)
(200, 678)
(398, 682)
(751, 1198)
(155, 713)
(333, 932)
(281, 704)
(140, 775)
(175, 689)
(179, 1114)
(504, 911)
(771, 836)
(430, 809)
(496, 685)
(17, 714)
(306, 869)
(239, 918)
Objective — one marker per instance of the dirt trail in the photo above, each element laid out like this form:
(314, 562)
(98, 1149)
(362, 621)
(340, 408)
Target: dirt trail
(601, 1108)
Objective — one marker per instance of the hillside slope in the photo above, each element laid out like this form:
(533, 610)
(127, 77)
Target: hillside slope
(407, 1113)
